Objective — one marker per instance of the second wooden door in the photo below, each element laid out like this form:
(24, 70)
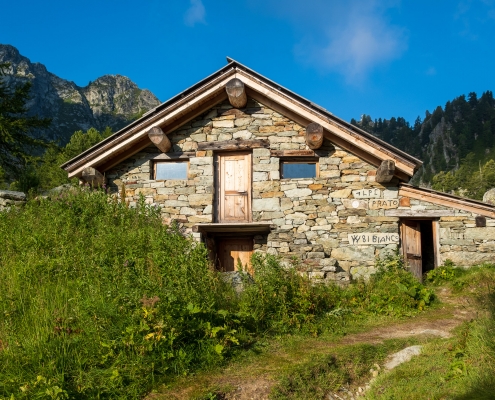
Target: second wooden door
(234, 254)
(235, 187)
(411, 247)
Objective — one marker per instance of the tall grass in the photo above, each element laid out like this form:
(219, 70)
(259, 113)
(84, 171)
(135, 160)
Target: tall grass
(99, 301)
(96, 300)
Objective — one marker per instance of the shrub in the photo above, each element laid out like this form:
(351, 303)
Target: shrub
(281, 299)
(392, 290)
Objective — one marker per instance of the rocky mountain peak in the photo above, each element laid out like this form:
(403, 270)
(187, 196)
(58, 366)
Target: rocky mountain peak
(110, 100)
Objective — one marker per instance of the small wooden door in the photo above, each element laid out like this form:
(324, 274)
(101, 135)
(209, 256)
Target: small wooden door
(411, 247)
(235, 187)
(231, 252)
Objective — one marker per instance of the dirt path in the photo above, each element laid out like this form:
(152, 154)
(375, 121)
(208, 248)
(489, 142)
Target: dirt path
(254, 380)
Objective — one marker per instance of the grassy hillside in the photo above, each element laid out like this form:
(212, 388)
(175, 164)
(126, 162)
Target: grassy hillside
(102, 301)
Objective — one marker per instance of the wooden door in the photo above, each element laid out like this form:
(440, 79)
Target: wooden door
(411, 247)
(232, 252)
(235, 187)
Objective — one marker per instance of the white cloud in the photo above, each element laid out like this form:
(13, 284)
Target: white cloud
(360, 40)
(195, 13)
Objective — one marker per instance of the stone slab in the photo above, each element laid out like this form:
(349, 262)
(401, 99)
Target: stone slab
(372, 238)
(383, 204)
(367, 194)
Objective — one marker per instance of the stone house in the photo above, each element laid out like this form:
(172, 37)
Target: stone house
(246, 165)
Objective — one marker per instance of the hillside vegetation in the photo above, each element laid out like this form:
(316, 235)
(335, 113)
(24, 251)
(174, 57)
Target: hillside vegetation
(456, 143)
(102, 301)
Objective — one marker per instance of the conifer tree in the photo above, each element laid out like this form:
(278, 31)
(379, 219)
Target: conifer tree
(17, 144)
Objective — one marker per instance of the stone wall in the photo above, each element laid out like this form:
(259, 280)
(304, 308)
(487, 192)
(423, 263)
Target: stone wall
(315, 218)
(9, 198)
(460, 239)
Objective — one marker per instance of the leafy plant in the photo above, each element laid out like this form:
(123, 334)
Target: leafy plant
(391, 290)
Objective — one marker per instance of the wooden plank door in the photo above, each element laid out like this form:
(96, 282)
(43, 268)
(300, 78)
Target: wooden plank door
(235, 187)
(231, 252)
(411, 247)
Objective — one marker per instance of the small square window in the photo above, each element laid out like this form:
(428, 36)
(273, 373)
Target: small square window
(170, 170)
(298, 169)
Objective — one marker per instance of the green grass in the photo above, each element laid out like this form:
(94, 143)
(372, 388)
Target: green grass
(101, 301)
(333, 373)
(457, 368)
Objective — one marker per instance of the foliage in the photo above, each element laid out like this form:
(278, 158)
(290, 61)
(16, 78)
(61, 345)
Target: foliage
(392, 290)
(470, 180)
(49, 172)
(99, 300)
(17, 142)
(322, 377)
(455, 142)
(281, 299)
(445, 273)
(460, 367)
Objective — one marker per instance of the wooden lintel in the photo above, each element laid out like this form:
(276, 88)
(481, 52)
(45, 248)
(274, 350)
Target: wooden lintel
(159, 139)
(293, 153)
(93, 177)
(236, 92)
(419, 213)
(385, 171)
(244, 228)
(173, 156)
(234, 144)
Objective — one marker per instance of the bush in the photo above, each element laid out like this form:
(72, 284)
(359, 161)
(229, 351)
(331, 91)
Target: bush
(281, 299)
(392, 290)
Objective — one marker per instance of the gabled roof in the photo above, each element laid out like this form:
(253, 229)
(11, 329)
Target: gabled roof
(210, 91)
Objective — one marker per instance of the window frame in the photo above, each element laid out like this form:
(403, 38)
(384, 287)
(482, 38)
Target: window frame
(300, 160)
(174, 160)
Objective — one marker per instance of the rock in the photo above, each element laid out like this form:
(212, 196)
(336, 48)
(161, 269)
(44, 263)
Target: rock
(354, 253)
(489, 197)
(480, 233)
(343, 193)
(237, 279)
(200, 199)
(267, 204)
(328, 244)
(11, 195)
(298, 192)
(402, 356)
(111, 100)
(468, 258)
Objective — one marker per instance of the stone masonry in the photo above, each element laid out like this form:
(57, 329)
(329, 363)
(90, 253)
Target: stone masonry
(9, 198)
(315, 218)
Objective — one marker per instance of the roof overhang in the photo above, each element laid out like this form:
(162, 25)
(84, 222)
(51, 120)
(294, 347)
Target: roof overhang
(448, 200)
(210, 91)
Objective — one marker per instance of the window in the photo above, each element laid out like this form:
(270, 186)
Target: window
(170, 170)
(299, 169)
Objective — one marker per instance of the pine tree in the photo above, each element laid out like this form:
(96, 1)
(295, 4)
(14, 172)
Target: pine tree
(16, 142)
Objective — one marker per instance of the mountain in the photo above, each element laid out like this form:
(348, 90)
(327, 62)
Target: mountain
(460, 135)
(111, 100)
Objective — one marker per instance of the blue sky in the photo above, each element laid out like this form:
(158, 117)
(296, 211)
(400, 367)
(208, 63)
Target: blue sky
(384, 58)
